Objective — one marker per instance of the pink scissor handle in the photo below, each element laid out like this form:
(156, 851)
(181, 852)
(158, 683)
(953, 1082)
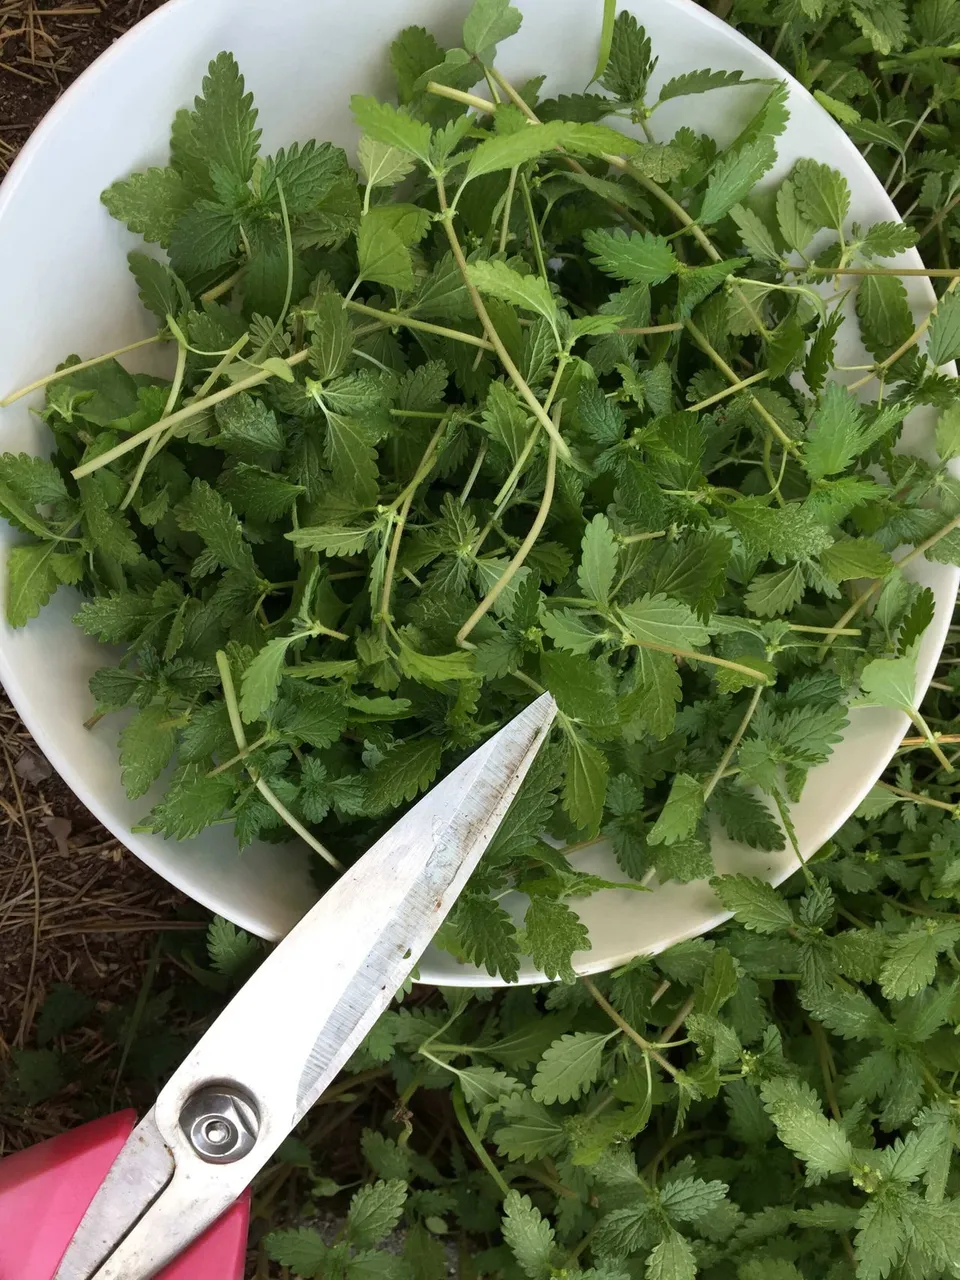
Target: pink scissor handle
(45, 1191)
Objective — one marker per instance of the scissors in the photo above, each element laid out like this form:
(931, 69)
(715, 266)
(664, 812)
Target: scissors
(278, 1044)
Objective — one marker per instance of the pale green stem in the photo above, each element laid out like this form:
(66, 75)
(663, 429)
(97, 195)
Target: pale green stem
(522, 552)
(392, 318)
(76, 368)
(705, 346)
(240, 737)
(505, 358)
(904, 346)
(228, 358)
(507, 209)
(182, 415)
(728, 756)
(157, 443)
(727, 391)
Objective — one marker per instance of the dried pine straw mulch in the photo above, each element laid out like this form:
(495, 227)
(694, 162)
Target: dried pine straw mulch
(75, 908)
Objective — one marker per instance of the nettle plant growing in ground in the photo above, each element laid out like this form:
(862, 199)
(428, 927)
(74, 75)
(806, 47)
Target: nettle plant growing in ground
(528, 404)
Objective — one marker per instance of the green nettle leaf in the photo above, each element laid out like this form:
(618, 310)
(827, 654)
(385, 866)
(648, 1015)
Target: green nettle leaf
(383, 165)
(570, 1066)
(889, 682)
(146, 745)
(822, 194)
(948, 433)
(796, 230)
(583, 688)
(698, 82)
(34, 571)
(529, 1236)
(630, 64)
(374, 1212)
(637, 258)
(754, 233)
(382, 255)
(681, 814)
(801, 1125)
(529, 292)
(585, 784)
(672, 1259)
(260, 683)
(943, 336)
(552, 933)
(487, 23)
(911, 962)
(404, 771)
(658, 620)
(530, 1132)
(734, 177)
(508, 150)
(150, 203)
(754, 903)
(332, 337)
(161, 290)
(392, 126)
(598, 560)
(300, 1248)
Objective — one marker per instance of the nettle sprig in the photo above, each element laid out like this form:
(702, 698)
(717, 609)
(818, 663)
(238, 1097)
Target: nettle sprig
(535, 399)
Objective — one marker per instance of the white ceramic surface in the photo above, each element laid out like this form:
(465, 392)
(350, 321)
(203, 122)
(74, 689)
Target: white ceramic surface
(65, 288)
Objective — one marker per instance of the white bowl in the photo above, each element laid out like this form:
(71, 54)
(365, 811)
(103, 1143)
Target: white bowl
(66, 288)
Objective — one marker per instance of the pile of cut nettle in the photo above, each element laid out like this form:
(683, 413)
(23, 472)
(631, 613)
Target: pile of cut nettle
(533, 398)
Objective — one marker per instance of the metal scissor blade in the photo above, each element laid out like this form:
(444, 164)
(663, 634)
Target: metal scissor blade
(284, 1037)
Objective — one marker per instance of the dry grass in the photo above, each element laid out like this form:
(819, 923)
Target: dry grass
(75, 907)
(44, 44)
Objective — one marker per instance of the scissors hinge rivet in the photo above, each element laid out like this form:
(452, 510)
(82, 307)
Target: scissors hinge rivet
(221, 1124)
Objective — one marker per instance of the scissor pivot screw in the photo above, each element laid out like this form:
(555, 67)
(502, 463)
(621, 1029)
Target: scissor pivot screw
(221, 1124)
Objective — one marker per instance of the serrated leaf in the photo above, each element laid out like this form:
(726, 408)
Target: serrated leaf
(734, 176)
(530, 1131)
(822, 194)
(335, 540)
(680, 814)
(570, 1066)
(486, 935)
(392, 126)
(232, 952)
(404, 772)
(630, 64)
(487, 23)
(585, 783)
(528, 1234)
(911, 962)
(855, 558)
(529, 292)
(637, 258)
(374, 1212)
(598, 560)
(584, 688)
(150, 203)
(552, 933)
(147, 743)
(569, 630)
(754, 903)
(943, 335)
(658, 620)
(757, 240)
(802, 1127)
(672, 1259)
